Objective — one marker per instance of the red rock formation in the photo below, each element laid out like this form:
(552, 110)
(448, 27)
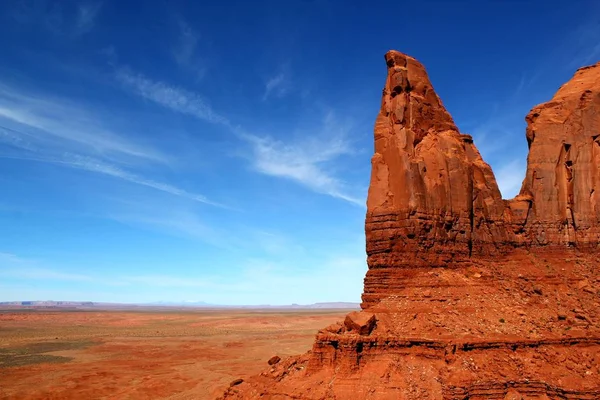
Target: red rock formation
(563, 173)
(467, 296)
(432, 198)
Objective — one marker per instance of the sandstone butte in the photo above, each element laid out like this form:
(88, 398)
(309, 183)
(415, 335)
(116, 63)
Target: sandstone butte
(467, 295)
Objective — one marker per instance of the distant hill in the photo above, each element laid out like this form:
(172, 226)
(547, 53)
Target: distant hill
(186, 304)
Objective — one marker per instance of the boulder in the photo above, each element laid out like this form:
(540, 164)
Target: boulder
(360, 322)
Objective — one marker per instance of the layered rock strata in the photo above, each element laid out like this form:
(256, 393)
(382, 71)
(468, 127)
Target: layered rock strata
(467, 296)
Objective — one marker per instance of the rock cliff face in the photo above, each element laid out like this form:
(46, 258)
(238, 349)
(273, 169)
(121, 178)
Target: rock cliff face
(563, 173)
(432, 198)
(467, 296)
(433, 201)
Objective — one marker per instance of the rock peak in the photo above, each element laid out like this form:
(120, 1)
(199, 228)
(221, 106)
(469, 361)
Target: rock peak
(409, 99)
(467, 295)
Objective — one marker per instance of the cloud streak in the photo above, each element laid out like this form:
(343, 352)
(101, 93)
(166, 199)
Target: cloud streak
(174, 98)
(186, 49)
(303, 162)
(74, 126)
(86, 16)
(87, 163)
(94, 165)
(52, 130)
(13, 266)
(176, 222)
(58, 17)
(277, 86)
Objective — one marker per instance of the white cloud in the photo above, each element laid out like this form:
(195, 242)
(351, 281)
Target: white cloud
(66, 125)
(288, 279)
(181, 221)
(58, 17)
(261, 282)
(9, 258)
(13, 266)
(174, 98)
(277, 86)
(185, 52)
(274, 243)
(167, 281)
(188, 39)
(173, 221)
(581, 47)
(338, 277)
(43, 274)
(45, 129)
(94, 165)
(303, 162)
(86, 16)
(87, 163)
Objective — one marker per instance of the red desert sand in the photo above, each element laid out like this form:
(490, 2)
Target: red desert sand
(144, 354)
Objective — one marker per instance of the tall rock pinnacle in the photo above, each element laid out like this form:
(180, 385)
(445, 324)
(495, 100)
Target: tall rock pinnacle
(432, 198)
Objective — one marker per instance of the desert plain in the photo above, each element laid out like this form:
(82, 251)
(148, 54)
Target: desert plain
(155, 353)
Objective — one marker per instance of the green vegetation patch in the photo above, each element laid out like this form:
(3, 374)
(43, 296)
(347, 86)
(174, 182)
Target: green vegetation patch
(33, 353)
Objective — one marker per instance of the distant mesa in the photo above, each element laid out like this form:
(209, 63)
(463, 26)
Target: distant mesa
(467, 295)
(49, 303)
(185, 304)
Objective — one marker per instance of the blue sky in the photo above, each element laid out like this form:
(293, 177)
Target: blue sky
(220, 151)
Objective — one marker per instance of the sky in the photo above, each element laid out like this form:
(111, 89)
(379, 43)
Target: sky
(220, 151)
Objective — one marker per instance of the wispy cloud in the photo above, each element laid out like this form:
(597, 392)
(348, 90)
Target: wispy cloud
(582, 46)
(44, 129)
(75, 126)
(58, 17)
(174, 98)
(277, 85)
(188, 39)
(44, 274)
(87, 163)
(175, 221)
(263, 280)
(10, 258)
(86, 16)
(168, 281)
(13, 266)
(186, 51)
(501, 137)
(303, 162)
(259, 280)
(498, 139)
(52, 130)
(94, 165)
(275, 243)
(189, 223)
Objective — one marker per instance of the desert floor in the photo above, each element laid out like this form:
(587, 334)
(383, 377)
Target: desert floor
(145, 354)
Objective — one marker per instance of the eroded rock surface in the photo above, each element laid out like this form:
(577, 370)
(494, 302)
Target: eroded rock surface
(563, 173)
(467, 296)
(432, 198)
